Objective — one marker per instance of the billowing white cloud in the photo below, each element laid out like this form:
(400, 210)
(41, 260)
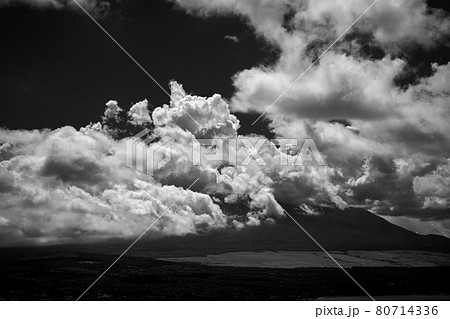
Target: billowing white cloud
(203, 117)
(112, 111)
(139, 114)
(392, 23)
(70, 185)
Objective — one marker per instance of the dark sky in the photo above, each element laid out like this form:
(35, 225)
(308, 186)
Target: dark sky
(58, 68)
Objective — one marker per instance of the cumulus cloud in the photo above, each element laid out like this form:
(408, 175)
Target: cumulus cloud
(139, 113)
(71, 185)
(112, 111)
(203, 117)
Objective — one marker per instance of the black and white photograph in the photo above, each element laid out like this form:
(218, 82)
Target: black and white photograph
(226, 150)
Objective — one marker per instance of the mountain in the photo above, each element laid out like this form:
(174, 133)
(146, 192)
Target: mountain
(334, 229)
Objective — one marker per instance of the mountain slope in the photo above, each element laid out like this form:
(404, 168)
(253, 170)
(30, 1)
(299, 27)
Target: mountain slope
(349, 229)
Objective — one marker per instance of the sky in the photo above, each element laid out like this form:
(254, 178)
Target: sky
(377, 106)
(51, 55)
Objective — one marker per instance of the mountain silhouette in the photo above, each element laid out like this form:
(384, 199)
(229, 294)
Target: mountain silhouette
(334, 229)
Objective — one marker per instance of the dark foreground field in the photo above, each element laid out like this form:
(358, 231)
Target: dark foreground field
(52, 275)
